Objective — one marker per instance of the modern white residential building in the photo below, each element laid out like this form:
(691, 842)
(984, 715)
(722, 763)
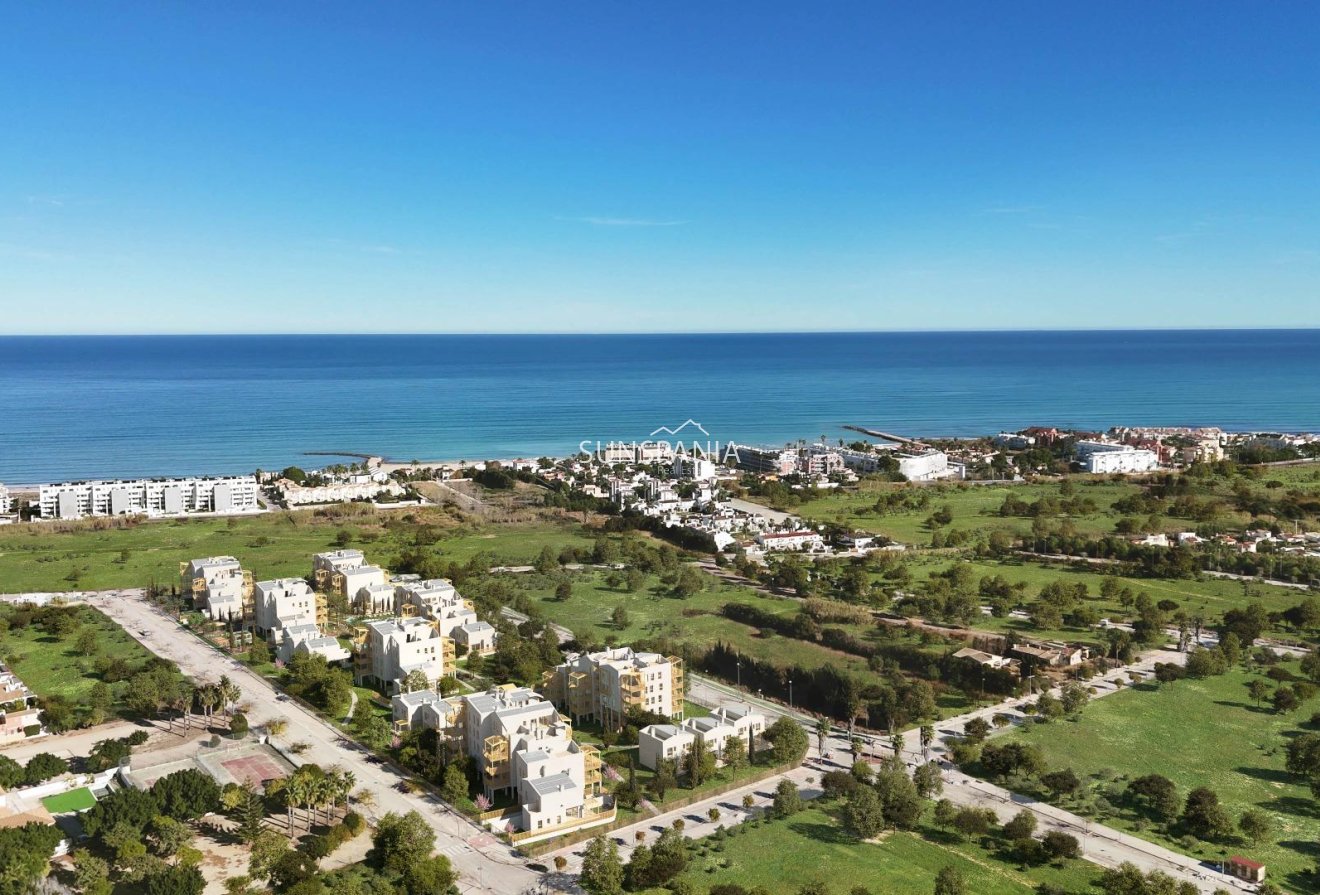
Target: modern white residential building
(149, 497)
(20, 716)
(523, 746)
(309, 639)
(456, 618)
(790, 540)
(388, 651)
(661, 741)
(1109, 457)
(606, 685)
(375, 599)
(283, 603)
(687, 466)
(345, 572)
(219, 586)
(5, 501)
(295, 495)
(925, 466)
(772, 462)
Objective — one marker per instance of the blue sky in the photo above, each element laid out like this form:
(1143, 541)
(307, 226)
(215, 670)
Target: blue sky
(444, 166)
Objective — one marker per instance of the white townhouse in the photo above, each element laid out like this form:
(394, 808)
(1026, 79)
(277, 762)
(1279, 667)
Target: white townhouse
(662, 741)
(345, 572)
(219, 586)
(308, 639)
(283, 603)
(1109, 457)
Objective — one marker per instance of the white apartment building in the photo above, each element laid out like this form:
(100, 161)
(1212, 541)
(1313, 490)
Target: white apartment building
(6, 503)
(926, 466)
(455, 617)
(374, 599)
(607, 684)
(770, 462)
(790, 541)
(308, 639)
(687, 466)
(345, 572)
(282, 603)
(19, 711)
(389, 650)
(522, 745)
(219, 586)
(1109, 457)
(669, 741)
(295, 495)
(154, 497)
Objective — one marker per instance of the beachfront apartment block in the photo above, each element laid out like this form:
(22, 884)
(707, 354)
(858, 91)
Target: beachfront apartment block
(6, 503)
(345, 572)
(657, 742)
(149, 497)
(522, 746)
(455, 617)
(219, 587)
(606, 685)
(766, 462)
(283, 603)
(1110, 457)
(387, 651)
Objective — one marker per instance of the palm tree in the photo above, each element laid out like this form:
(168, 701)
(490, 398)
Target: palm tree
(230, 693)
(347, 780)
(295, 790)
(208, 696)
(927, 737)
(822, 734)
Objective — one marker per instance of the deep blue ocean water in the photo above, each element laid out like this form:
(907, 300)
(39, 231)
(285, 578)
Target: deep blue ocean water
(80, 407)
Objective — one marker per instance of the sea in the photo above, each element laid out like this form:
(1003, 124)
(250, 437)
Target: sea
(127, 406)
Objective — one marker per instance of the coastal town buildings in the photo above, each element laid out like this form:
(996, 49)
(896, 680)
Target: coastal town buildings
(605, 686)
(6, 503)
(149, 497)
(219, 587)
(361, 488)
(795, 541)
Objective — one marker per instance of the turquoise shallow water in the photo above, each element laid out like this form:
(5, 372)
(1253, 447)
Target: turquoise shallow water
(79, 407)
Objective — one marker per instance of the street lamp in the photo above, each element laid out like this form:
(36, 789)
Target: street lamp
(790, 694)
(739, 664)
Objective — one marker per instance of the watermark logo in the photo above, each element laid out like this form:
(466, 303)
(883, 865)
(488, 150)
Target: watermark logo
(665, 443)
(690, 425)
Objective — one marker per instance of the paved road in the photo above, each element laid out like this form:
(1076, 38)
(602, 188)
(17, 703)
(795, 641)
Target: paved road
(487, 865)
(1100, 844)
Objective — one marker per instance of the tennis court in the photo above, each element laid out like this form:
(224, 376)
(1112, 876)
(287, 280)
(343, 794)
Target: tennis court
(255, 764)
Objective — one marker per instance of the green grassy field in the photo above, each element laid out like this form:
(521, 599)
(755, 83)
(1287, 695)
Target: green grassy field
(1207, 597)
(811, 846)
(1197, 733)
(52, 666)
(74, 800)
(974, 507)
(44, 557)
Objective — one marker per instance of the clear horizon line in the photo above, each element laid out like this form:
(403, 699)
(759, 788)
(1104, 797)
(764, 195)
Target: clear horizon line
(711, 332)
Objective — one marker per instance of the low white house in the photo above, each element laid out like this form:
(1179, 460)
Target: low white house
(661, 741)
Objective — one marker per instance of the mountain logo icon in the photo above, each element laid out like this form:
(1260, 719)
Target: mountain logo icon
(691, 423)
